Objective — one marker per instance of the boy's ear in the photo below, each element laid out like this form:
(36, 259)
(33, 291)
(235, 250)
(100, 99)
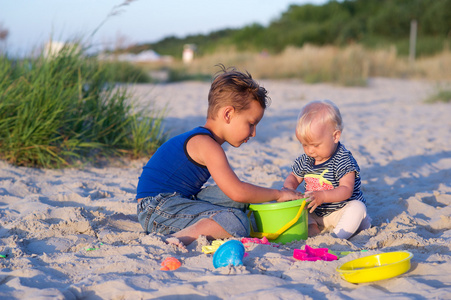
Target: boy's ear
(228, 113)
(336, 136)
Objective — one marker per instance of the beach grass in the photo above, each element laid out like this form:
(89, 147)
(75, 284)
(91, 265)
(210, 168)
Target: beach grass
(55, 111)
(441, 95)
(126, 72)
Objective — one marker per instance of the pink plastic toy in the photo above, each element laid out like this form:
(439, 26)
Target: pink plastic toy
(312, 254)
(263, 241)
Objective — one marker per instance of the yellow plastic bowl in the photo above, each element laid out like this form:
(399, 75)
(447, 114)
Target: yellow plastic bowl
(376, 267)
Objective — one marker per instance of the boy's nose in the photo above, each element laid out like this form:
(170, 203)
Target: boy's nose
(254, 132)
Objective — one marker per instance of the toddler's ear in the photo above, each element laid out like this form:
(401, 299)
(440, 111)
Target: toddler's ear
(336, 136)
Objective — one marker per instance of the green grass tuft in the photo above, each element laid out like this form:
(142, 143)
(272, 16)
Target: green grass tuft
(56, 110)
(442, 95)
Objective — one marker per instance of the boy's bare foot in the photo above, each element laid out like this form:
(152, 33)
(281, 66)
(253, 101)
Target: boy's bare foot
(176, 242)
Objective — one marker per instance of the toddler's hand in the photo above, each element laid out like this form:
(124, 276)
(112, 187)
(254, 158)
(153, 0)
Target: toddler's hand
(314, 200)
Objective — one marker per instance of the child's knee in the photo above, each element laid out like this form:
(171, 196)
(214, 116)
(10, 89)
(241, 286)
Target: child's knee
(351, 220)
(234, 221)
(243, 226)
(357, 209)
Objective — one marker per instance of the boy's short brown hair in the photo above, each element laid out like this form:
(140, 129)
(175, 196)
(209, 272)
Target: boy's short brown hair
(234, 88)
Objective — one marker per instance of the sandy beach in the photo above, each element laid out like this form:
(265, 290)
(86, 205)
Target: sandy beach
(74, 234)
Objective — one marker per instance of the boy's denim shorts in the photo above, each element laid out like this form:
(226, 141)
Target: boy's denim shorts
(169, 213)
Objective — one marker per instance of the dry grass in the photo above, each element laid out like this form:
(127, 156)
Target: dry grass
(437, 67)
(352, 65)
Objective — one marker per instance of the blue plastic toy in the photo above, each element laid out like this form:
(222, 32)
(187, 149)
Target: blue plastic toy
(229, 253)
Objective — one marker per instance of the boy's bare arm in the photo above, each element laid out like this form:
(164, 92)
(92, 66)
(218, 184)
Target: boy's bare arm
(341, 193)
(208, 152)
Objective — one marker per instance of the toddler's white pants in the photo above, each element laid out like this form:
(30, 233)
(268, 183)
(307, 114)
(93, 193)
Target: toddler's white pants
(346, 221)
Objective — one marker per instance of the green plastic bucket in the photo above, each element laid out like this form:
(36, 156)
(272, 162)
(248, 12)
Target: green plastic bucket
(271, 218)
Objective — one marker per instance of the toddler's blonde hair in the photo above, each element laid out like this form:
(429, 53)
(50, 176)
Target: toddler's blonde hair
(326, 110)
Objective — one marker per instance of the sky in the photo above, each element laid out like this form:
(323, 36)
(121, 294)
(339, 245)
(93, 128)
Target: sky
(31, 23)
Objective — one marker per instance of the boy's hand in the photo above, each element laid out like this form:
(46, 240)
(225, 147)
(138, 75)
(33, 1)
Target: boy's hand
(287, 195)
(314, 199)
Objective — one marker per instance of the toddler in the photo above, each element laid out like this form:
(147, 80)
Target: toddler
(330, 173)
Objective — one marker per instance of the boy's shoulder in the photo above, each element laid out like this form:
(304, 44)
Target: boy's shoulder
(202, 148)
(187, 135)
(198, 130)
(182, 139)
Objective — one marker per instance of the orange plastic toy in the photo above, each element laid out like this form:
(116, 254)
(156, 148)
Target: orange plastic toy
(170, 264)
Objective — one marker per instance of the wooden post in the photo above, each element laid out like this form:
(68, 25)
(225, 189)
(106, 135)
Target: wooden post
(413, 40)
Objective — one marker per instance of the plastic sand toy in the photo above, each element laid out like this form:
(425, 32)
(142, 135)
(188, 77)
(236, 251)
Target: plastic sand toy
(229, 253)
(281, 222)
(262, 241)
(376, 267)
(312, 254)
(170, 264)
(214, 246)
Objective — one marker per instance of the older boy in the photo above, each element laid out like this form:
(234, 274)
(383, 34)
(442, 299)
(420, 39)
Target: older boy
(170, 196)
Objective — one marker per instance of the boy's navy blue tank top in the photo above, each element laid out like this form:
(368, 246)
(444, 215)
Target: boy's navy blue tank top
(171, 169)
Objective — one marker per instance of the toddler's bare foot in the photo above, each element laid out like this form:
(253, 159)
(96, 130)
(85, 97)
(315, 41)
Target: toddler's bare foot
(313, 230)
(176, 242)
